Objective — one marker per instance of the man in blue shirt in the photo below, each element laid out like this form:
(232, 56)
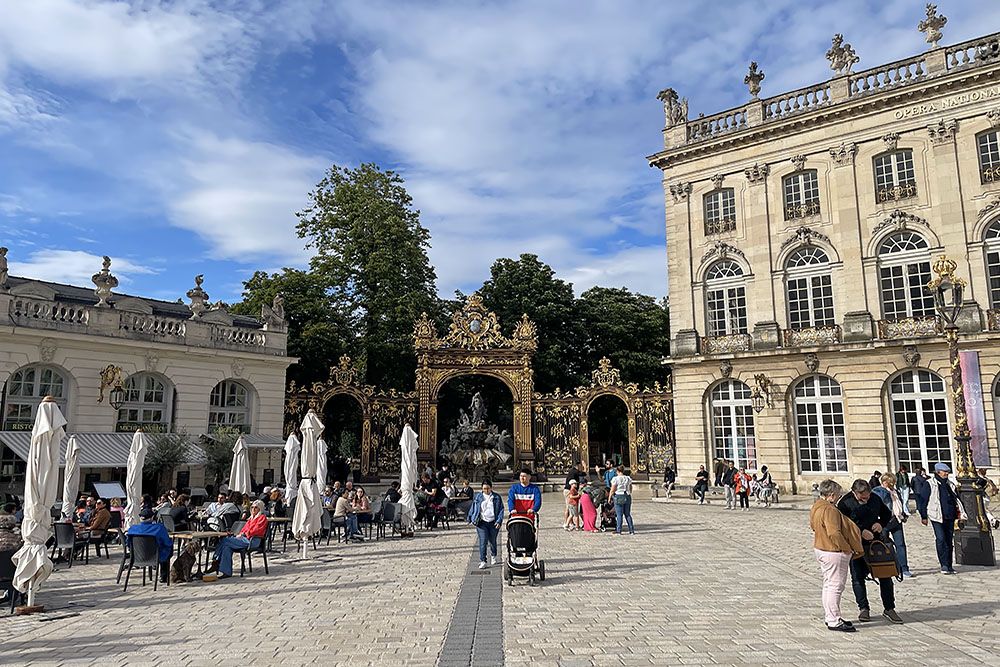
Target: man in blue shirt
(609, 474)
(524, 497)
(159, 531)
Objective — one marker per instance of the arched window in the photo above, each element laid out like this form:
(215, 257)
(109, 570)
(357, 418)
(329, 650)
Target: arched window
(229, 407)
(726, 299)
(720, 211)
(148, 405)
(808, 289)
(25, 390)
(801, 191)
(992, 241)
(988, 147)
(920, 419)
(733, 435)
(904, 271)
(819, 425)
(894, 176)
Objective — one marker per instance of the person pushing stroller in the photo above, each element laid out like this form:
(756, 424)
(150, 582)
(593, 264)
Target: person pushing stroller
(524, 497)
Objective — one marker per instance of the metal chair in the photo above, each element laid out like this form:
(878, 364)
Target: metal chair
(144, 553)
(7, 570)
(390, 516)
(258, 545)
(168, 523)
(66, 539)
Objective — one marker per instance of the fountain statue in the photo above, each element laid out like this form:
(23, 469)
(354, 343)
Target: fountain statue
(474, 447)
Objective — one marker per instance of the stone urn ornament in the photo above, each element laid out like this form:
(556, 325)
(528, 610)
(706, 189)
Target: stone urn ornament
(931, 26)
(199, 298)
(104, 282)
(3, 270)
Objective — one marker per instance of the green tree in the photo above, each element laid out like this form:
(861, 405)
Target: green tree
(371, 252)
(219, 453)
(529, 286)
(167, 451)
(318, 331)
(633, 330)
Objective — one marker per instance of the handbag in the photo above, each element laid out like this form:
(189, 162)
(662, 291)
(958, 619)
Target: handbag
(880, 555)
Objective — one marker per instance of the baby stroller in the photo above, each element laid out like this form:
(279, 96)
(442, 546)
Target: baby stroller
(608, 517)
(522, 550)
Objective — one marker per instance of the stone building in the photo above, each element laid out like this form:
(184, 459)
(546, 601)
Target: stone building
(801, 233)
(185, 367)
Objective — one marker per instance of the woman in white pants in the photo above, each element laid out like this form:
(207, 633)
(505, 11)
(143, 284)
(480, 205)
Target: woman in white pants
(837, 541)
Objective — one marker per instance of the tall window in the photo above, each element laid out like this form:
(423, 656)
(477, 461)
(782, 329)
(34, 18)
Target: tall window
(904, 271)
(732, 424)
(992, 241)
(920, 419)
(801, 195)
(148, 403)
(25, 390)
(229, 407)
(989, 157)
(720, 211)
(819, 425)
(726, 299)
(809, 290)
(894, 177)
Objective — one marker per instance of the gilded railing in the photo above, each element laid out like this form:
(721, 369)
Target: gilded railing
(812, 336)
(990, 174)
(803, 210)
(993, 319)
(895, 193)
(23, 310)
(720, 226)
(730, 343)
(909, 327)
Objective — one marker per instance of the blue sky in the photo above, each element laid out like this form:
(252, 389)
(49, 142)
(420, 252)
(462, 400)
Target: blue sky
(180, 136)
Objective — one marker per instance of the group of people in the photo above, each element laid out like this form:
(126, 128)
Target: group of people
(737, 484)
(587, 499)
(486, 512)
(847, 525)
(350, 504)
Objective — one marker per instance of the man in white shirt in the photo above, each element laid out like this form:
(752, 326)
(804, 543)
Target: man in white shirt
(621, 494)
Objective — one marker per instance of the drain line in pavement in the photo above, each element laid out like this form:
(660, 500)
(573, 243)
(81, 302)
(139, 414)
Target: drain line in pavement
(475, 634)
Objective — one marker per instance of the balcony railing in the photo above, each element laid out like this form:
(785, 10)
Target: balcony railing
(720, 226)
(812, 336)
(895, 193)
(993, 319)
(909, 327)
(730, 343)
(152, 325)
(27, 311)
(804, 210)
(973, 52)
(990, 174)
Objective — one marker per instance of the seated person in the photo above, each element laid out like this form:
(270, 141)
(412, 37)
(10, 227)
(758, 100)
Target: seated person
(466, 491)
(435, 497)
(255, 527)
(276, 507)
(116, 508)
(338, 490)
(448, 488)
(216, 505)
(327, 497)
(163, 505)
(179, 513)
(146, 526)
(99, 520)
(392, 495)
(223, 515)
(345, 510)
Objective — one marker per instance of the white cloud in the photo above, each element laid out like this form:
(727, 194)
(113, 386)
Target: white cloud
(74, 267)
(642, 269)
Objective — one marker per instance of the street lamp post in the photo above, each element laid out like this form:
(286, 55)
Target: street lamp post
(974, 541)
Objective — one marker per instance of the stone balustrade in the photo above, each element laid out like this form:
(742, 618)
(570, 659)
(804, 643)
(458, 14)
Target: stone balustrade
(239, 337)
(153, 325)
(25, 311)
(713, 126)
(877, 79)
(973, 52)
(797, 101)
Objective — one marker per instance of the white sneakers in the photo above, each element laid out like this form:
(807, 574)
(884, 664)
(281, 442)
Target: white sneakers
(493, 560)
(482, 565)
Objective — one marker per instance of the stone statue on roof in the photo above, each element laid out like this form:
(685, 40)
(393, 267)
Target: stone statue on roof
(3, 270)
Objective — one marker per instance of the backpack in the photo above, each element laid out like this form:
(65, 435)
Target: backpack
(880, 555)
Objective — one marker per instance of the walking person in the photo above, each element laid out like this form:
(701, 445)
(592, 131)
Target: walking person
(621, 493)
(729, 485)
(573, 507)
(836, 542)
(669, 479)
(942, 507)
(871, 516)
(701, 484)
(894, 501)
(486, 514)
(903, 488)
(720, 469)
(742, 488)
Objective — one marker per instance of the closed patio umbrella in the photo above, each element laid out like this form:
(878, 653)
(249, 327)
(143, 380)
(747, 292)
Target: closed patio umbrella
(320, 464)
(292, 448)
(133, 478)
(41, 483)
(306, 521)
(408, 478)
(239, 474)
(71, 477)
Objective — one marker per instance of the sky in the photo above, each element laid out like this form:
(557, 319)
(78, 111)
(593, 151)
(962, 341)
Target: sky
(181, 136)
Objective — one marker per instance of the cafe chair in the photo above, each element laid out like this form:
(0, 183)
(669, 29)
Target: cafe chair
(66, 539)
(145, 554)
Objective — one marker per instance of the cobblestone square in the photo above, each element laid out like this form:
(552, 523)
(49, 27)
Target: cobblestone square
(695, 586)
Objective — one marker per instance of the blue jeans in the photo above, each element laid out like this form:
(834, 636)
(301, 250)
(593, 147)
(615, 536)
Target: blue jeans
(944, 538)
(623, 508)
(224, 552)
(904, 496)
(900, 543)
(351, 525)
(487, 535)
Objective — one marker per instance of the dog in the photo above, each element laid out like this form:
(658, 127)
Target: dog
(180, 570)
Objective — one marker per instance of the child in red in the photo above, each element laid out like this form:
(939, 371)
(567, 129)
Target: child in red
(573, 507)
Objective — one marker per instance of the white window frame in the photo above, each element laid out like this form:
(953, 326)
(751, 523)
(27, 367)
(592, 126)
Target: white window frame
(818, 279)
(895, 176)
(988, 153)
(729, 291)
(224, 409)
(817, 428)
(798, 201)
(720, 211)
(57, 386)
(906, 264)
(734, 434)
(991, 255)
(142, 408)
(926, 403)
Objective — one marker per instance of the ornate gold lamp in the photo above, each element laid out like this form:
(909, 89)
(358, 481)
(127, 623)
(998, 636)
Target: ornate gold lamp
(760, 397)
(974, 542)
(111, 379)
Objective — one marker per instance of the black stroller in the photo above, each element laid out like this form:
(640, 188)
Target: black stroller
(522, 547)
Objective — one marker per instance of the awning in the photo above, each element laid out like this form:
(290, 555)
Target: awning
(258, 441)
(97, 450)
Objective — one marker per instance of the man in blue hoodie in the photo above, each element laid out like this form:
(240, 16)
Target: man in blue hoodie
(159, 531)
(524, 497)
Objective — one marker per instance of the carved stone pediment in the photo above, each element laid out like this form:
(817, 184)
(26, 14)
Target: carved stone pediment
(35, 291)
(132, 305)
(900, 220)
(992, 205)
(218, 316)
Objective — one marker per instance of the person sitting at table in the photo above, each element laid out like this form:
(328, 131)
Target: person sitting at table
(327, 497)
(466, 491)
(338, 490)
(448, 488)
(213, 507)
(163, 505)
(435, 497)
(225, 513)
(345, 510)
(99, 520)
(276, 508)
(116, 508)
(256, 526)
(78, 512)
(147, 502)
(179, 512)
(392, 494)
(147, 526)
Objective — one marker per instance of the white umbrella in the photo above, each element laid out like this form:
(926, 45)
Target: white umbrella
(307, 519)
(133, 478)
(320, 463)
(292, 447)
(41, 482)
(408, 478)
(71, 477)
(239, 474)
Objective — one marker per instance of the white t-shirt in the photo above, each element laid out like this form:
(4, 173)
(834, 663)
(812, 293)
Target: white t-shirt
(622, 485)
(486, 512)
